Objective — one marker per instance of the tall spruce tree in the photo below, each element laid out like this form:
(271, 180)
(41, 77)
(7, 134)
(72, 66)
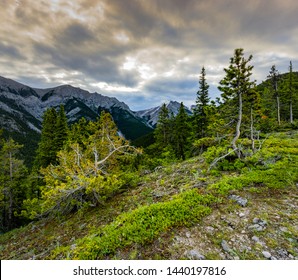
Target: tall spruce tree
(234, 86)
(275, 76)
(46, 152)
(201, 109)
(61, 128)
(12, 174)
(53, 136)
(291, 91)
(181, 133)
(162, 131)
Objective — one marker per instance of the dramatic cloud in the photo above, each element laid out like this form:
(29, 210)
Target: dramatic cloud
(142, 52)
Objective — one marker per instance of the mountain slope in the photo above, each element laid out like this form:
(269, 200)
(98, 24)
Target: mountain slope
(251, 214)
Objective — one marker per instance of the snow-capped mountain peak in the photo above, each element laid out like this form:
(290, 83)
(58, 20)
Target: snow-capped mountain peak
(151, 115)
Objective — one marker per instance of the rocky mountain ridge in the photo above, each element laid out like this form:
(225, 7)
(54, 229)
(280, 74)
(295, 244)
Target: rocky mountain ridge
(151, 115)
(20, 102)
(22, 108)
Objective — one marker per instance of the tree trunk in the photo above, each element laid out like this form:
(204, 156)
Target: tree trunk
(278, 109)
(10, 206)
(237, 134)
(252, 130)
(291, 111)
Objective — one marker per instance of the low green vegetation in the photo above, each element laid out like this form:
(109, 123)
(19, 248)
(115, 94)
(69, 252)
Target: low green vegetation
(143, 225)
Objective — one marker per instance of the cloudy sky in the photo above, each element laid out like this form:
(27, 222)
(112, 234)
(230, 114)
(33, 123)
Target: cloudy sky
(144, 52)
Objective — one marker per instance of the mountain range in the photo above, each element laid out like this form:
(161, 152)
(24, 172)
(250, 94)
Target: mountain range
(22, 108)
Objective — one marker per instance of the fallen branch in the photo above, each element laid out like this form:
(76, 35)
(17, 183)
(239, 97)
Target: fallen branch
(220, 158)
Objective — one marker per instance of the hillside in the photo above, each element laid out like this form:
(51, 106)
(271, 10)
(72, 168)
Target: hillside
(267, 95)
(181, 211)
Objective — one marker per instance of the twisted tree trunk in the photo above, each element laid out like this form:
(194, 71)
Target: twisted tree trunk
(238, 126)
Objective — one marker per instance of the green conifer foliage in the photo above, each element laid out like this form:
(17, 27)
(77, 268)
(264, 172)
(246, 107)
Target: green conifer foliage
(275, 77)
(291, 91)
(181, 133)
(46, 152)
(80, 131)
(162, 131)
(234, 86)
(12, 174)
(201, 109)
(61, 129)
(53, 137)
(85, 174)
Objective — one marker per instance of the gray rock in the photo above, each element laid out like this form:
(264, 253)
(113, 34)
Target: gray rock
(256, 227)
(241, 215)
(266, 254)
(239, 200)
(195, 255)
(263, 223)
(145, 172)
(282, 253)
(255, 239)
(256, 220)
(225, 246)
(260, 222)
(209, 229)
(283, 229)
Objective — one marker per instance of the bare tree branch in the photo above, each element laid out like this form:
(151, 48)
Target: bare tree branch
(215, 161)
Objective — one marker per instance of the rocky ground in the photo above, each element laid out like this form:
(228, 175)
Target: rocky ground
(266, 227)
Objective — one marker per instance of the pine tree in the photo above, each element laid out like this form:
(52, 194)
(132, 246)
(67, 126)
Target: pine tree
(85, 174)
(47, 149)
(291, 91)
(162, 131)
(234, 86)
(12, 173)
(53, 136)
(61, 129)
(201, 109)
(181, 133)
(274, 76)
(80, 131)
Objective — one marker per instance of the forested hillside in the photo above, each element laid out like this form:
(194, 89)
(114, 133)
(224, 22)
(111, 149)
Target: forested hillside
(218, 184)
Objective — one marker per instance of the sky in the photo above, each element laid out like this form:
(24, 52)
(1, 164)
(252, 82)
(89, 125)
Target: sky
(143, 52)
